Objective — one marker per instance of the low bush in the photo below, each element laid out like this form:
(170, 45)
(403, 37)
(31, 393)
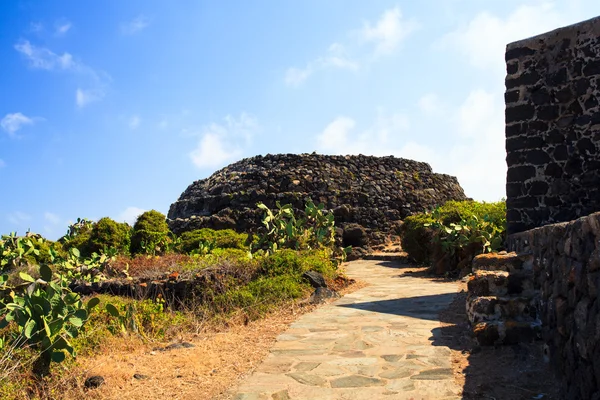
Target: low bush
(107, 234)
(225, 239)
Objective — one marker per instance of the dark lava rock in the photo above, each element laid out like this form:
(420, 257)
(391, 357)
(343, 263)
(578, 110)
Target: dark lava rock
(315, 279)
(93, 382)
(140, 376)
(321, 294)
(374, 192)
(355, 235)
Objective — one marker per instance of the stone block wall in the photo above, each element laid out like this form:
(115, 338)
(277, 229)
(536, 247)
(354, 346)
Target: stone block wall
(565, 258)
(375, 192)
(553, 126)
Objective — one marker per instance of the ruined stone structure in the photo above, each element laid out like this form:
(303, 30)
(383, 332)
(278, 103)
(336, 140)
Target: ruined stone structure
(375, 192)
(553, 126)
(553, 157)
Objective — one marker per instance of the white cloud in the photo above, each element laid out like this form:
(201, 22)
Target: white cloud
(43, 58)
(136, 25)
(212, 152)
(85, 97)
(297, 76)
(478, 158)
(61, 28)
(134, 122)
(335, 135)
(483, 40)
(52, 218)
(336, 58)
(387, 33)
(12, 123)
(18, 218)
(384, 137)
(222, 143)
(130, 215)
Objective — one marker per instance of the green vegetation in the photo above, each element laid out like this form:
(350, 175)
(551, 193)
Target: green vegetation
(42, 320)
(48, 314)
(150, 234)
(451, 235)
(283, 230)
(223, 239)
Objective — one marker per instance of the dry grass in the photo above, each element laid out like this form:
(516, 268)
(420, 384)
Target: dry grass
(223, 354)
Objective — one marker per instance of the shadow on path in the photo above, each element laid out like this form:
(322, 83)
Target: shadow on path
(423, 307)
(515, 372)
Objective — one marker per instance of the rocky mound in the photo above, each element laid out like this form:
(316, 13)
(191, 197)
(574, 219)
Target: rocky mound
(373, 192)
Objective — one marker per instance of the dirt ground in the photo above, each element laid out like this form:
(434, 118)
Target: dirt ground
(515, 372)
(218, 360)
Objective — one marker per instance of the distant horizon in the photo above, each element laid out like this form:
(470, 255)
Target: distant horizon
(113, 109)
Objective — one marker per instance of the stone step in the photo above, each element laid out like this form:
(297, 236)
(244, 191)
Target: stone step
(507, 332)
(503, 261)
(501, 283)
(401, 257)
(501, 308)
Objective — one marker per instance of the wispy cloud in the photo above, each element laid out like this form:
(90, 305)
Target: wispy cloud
(224, 142)
(136, 25)
(385, 136)
(42, 58)
(134, 122)
(62, 27)
(336, 58)
(387, 33)
(45, 59)
(383, 37)
(36, 27)
(130, 215)
(483, 39)
(2, 163)
(12, 123)
(18, 218)
(85, 97)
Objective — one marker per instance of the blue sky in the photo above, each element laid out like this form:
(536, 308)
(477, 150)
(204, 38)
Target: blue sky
(111, 108)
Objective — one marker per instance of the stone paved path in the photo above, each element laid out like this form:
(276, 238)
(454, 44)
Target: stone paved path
(375, 343)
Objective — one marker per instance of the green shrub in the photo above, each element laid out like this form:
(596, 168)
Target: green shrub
(294, 263)
(150, 234)
(416, 237)
(454, 232)
(260, 295)
(107, 234)
(225, 239)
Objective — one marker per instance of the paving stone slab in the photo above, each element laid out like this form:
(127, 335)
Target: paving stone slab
(373, 343)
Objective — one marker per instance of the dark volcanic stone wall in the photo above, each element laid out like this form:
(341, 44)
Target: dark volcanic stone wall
(375, 192)
(553, 126)
(566, 264)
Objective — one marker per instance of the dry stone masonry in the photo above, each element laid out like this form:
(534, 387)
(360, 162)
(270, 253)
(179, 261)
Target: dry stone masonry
(553, 126)
(553, 157)
(371, 194)
(565, 260)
